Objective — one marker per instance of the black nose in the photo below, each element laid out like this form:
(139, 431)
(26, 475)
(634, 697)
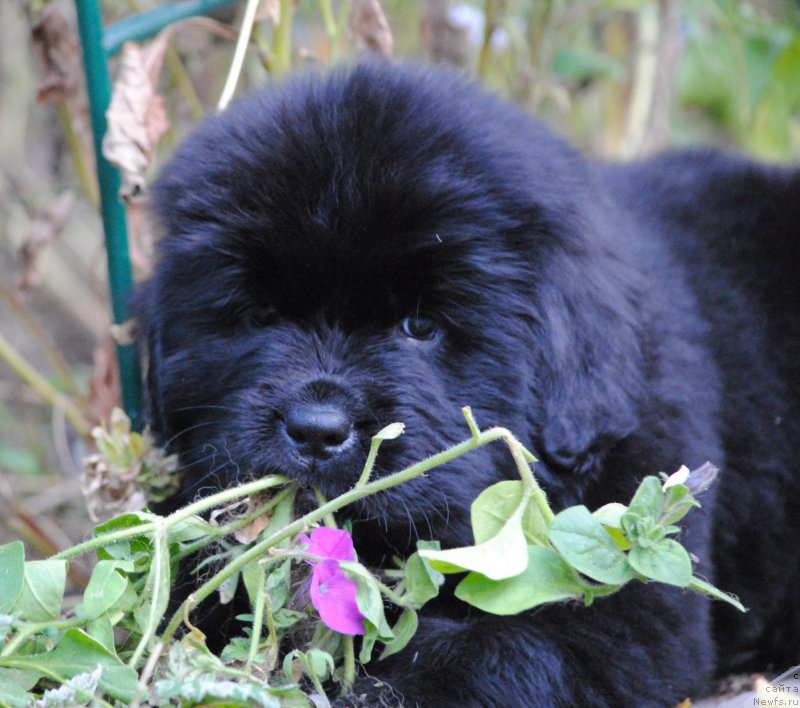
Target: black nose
(318, 430)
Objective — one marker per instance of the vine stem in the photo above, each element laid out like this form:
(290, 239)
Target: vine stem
(44, 388)
(417, 470)
(194, 509)
(349, 661)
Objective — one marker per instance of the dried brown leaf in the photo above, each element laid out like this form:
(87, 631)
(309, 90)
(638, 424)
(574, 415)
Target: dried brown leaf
(44, 228)
(136, 114)
(269, 11)
(56, 49)
(104, 386)
(107, 493)
(250, 532)
(370, 27)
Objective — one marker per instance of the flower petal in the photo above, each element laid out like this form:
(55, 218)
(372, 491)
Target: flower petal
(333, 595)
(326, 542)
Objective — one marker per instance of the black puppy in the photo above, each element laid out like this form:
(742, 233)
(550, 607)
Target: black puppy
(389, 244)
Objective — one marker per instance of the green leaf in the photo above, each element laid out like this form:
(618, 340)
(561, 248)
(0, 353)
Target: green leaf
(404, 629)
(665, 561)
(12, 574)
(647, 499)
(546, 579)
(279, 584)
(582, 541)
(497, 504)
(190, 529)
(420, 581)
(105, 587)
(703, 586)
(78, 653)
(368, 593)
(42, 590)
(675, 507)
(156, 589)
(14, 687)
(586, 64)
(370, 603)
(610, 514)
(502, 556)
(320, 663)
(101, 630)
(124, 521)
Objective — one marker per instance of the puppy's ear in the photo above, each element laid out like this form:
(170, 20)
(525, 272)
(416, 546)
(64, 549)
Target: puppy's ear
(590, 369)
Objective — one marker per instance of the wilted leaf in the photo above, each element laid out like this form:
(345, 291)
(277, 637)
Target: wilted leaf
(370, 28)
(57, 51)
(104, 387)
(136, 115)
(269, 11)
(44, 228)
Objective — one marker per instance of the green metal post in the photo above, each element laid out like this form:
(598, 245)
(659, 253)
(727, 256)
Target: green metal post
(146, 24)
(90, 28)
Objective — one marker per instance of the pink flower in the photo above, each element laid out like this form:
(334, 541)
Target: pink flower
(333, 594)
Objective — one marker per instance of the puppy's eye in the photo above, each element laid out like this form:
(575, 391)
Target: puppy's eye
(417, 327)
(262, 315)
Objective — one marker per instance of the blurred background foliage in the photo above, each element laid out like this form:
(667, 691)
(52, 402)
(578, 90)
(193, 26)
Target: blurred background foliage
(618, 78)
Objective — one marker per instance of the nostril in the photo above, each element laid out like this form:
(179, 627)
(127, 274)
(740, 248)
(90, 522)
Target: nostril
(318, 429)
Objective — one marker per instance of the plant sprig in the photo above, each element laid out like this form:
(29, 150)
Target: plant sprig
(523, 556)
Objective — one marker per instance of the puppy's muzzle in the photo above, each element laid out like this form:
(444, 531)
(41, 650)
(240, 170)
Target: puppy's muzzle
(318, 430)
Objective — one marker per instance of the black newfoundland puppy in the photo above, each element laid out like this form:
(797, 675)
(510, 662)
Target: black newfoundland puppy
(389, 244)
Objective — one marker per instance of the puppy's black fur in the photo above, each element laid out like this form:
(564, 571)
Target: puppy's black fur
(390, 244)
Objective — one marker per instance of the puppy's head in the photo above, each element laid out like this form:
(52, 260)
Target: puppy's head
(379, 245)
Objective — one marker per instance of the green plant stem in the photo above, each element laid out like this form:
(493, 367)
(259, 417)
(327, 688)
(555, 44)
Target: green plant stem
(471, 422)
(258, 616)
(223, 497)
(391, 595)
(235, 525)
(370, 463)
(327, 18)
(282, 41)
(349, 662)
(518, 453)
(490, 21)
(180, 78)
(44, 388)
(29, 629)
(40, 334)
(83, 170)
(157, 578)
(353, 495)
(329, 520)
